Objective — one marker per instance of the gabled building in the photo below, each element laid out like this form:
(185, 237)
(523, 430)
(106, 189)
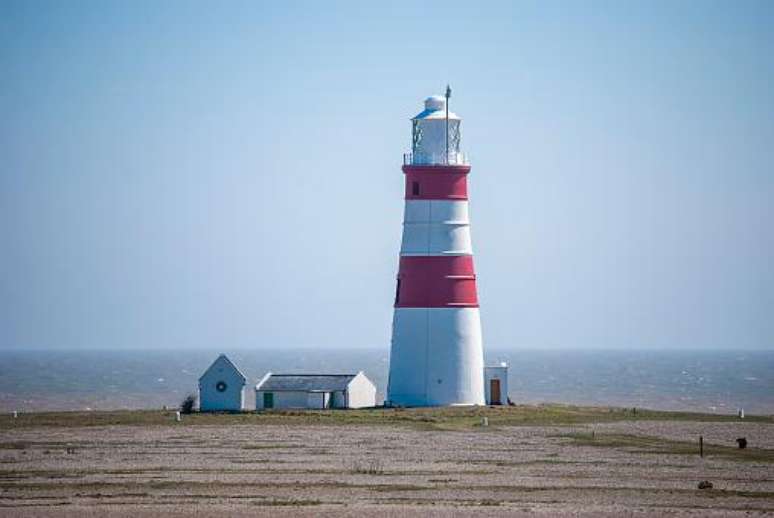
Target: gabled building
(222, 387)
(314, 391)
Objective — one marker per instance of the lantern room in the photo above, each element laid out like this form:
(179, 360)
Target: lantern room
(435, 135)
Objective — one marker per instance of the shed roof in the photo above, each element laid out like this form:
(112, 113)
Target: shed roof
(306, 382)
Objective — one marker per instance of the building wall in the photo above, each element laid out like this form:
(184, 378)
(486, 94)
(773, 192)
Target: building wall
(361, 393)
(339, 399)
(318, 399)
(500, 373)
(436, 357)
(232, 399)
(287, 399)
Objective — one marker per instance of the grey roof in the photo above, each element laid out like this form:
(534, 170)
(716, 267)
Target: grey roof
(306, 382)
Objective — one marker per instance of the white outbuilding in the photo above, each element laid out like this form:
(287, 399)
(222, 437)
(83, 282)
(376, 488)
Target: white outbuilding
(496, 384)
(315, 391)
(222, 387)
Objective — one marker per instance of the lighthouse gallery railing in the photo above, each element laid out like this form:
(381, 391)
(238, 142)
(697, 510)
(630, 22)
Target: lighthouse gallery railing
(435, 159)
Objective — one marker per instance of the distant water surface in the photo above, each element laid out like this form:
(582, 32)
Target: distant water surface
(706, 381)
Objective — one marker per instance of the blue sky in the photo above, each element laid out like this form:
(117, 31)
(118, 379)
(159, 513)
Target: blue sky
(227, 175)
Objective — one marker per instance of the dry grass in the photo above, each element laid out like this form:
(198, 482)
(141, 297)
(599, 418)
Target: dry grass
(459, 418)
(656, 445)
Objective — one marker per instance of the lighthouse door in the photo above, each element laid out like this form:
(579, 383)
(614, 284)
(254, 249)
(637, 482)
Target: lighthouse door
(494, 392)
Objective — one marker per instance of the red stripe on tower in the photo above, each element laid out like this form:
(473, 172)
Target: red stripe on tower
(436, 282)
(449, 182)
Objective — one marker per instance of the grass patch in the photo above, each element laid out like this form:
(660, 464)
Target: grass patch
(657, 445)
(504, 463)
(280, 503)
(489, 502)
(449, 418)
(266, 446)
(373, 466)
(387, 488)
(14, 445)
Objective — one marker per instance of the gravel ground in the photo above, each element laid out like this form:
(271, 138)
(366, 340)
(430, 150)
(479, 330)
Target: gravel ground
(132, 471)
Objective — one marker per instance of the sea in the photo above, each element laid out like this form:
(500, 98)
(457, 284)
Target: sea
(702, 381)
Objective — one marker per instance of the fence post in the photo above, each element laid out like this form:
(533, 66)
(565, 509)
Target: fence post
(701, 446)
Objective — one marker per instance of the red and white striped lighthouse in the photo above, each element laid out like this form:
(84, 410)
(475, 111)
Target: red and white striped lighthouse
(436, 356)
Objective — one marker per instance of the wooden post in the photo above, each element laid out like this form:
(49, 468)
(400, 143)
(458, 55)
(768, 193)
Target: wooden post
(701, 446)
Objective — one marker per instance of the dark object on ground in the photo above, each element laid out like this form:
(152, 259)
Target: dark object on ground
(742, 442)
(511, 403)
(187, 406)
(705, 484)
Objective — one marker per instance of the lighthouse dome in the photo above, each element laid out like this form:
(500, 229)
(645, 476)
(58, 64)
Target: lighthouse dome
(435, 108)
(435, 102)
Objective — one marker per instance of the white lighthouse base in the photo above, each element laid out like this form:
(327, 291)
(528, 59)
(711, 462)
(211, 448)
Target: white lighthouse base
(436, 358)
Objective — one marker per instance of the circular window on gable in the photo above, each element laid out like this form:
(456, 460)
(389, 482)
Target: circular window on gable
(221, 386)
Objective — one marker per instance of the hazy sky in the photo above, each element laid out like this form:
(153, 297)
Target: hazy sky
(227, 175)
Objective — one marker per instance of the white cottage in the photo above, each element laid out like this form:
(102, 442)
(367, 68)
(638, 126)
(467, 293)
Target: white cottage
(315, 391)
(222, 387)
(496, 384)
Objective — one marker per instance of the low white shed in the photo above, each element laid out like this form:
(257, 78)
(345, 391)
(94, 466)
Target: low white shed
(496, 384)
(222, 387)
(315, 391)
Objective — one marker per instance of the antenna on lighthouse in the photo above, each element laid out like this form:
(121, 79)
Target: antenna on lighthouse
(448, 95)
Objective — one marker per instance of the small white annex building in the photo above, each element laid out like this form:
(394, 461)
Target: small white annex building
(314, 391)
(496, 384)
(222, 387)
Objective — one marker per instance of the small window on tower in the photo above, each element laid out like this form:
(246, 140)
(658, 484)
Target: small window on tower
(397, 292)
(415, 188)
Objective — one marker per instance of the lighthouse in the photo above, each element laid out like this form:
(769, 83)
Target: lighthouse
(436, 355)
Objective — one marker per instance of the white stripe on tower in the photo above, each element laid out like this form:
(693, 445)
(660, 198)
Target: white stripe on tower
(436, 227)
